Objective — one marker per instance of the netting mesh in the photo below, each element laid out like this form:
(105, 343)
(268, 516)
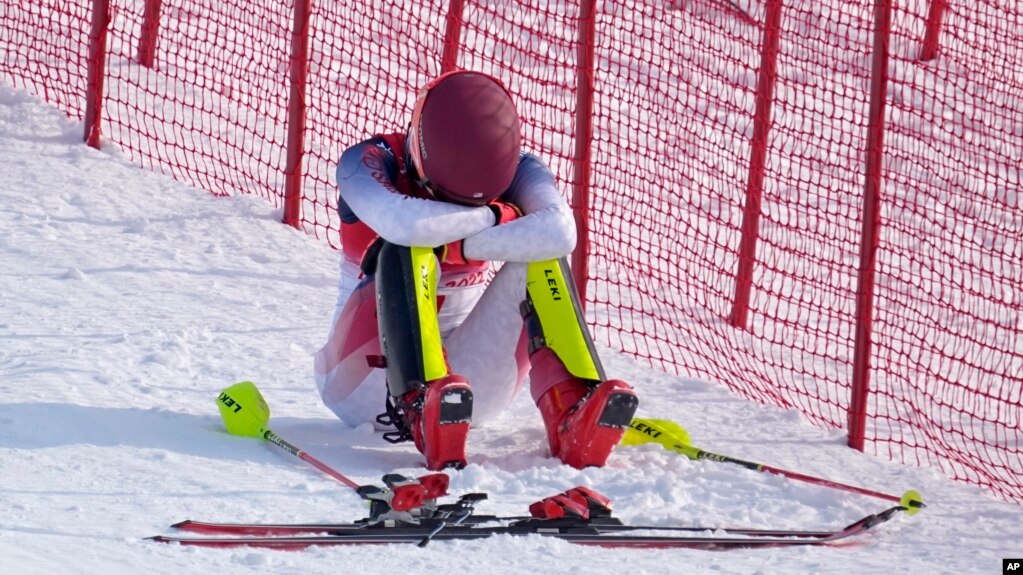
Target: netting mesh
(44, 47)
(674, 115)
(212, 110)
(949, 351)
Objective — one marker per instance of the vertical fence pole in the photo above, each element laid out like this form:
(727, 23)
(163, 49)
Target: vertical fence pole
(150, 32)
(757, 162)
(932, 37)
(296, 115)
(871, 233)
(452, 36)
(97, 71)
(583, 142)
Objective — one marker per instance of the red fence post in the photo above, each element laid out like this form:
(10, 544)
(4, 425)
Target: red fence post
(452, 36)
(758, 158)
(296, 115)
(871, 234)
(932, 36)
(583, 143)
(150, 32)
(97, 71)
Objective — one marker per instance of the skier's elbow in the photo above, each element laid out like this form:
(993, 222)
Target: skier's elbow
(562, 242)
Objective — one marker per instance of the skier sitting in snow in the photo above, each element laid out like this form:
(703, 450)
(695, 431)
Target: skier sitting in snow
(423, 214)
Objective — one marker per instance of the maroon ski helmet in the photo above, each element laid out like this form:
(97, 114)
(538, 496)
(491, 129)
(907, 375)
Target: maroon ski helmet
(465, 137)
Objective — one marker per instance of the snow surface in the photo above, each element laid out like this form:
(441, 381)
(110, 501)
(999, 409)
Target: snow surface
(129, 300)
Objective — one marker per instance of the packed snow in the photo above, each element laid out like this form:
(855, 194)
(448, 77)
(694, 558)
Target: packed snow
(129, 300)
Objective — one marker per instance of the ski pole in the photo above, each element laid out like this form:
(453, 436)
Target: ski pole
(246, 413)
(673, 437)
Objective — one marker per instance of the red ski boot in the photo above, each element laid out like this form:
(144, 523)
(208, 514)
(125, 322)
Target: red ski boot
(437, 418)
(584, 422)
(584, 434)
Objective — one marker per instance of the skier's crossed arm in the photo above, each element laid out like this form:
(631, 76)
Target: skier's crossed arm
(546, 230)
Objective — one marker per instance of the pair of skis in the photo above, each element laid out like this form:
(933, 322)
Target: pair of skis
(406, 510)
(580, 516)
